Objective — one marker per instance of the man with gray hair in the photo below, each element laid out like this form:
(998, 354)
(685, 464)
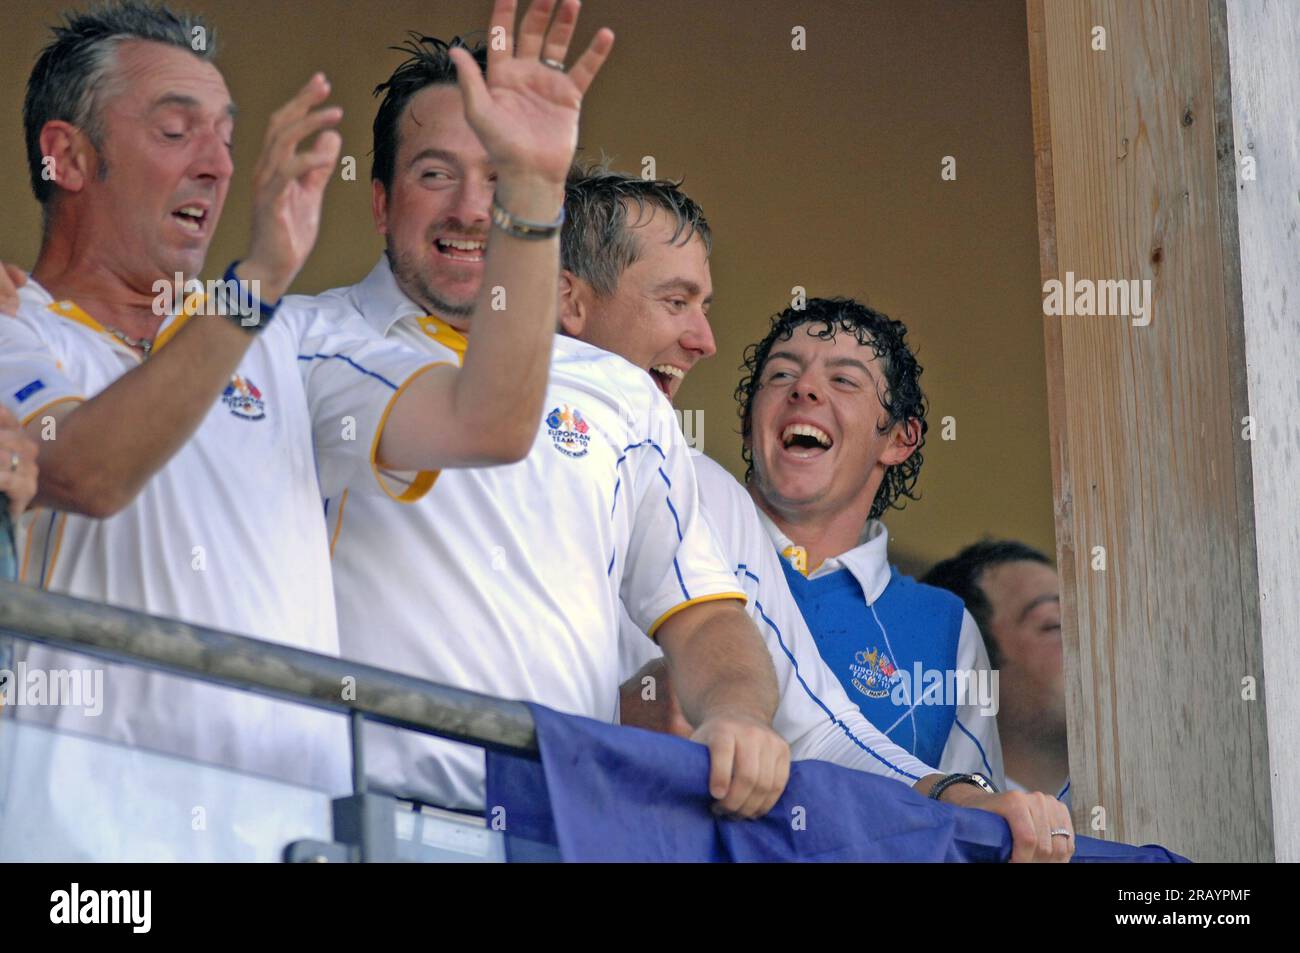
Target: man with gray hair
(185, 450)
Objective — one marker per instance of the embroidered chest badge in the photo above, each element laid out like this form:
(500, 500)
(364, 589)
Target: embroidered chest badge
(243, 399)
(568, 431)
(873, 673)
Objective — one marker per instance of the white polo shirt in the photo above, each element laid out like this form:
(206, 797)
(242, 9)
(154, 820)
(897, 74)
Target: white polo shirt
(228, 534)
(972, 743)
(815, 716)
(507, 580)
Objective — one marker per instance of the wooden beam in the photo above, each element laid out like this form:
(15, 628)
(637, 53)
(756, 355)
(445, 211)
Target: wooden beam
(1155, 512)
(1264, 43)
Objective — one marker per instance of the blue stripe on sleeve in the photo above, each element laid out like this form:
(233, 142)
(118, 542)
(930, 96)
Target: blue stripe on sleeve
(647, 442)
(672, 509)
(667, 499)
(351, 363)
(794, 663)
(681, 582)
(978, 746)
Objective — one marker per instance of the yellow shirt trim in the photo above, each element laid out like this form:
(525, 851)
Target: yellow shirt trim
(74, 312)
(439, 330)
(797, 556)
(44, 407)
(191, 307)
(338, 525)
(54, 556)
(424, 479)
(71, 311)
(744, 600)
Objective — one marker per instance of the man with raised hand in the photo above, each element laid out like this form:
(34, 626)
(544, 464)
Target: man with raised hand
(183, 459)
(636, 282)
(507, 581)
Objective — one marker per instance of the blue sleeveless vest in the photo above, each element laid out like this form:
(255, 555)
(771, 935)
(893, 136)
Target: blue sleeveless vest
(886, 665)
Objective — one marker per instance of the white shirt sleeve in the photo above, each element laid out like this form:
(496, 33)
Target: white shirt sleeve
(673, 561)
(31, 378)
(353, 376)
(973, 743)
(815, 716)
(635, 648)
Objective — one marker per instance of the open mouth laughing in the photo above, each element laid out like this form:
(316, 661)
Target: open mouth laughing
(193, 218)
(664, 375)
(804, 440)
(462, 249)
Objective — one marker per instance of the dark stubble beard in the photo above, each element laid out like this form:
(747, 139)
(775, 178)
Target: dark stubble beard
(407, 272)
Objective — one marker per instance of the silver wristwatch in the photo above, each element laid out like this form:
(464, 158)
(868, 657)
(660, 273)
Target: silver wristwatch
(528, 231)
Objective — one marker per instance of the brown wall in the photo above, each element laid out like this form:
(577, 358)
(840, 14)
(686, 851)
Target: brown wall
(816, 168)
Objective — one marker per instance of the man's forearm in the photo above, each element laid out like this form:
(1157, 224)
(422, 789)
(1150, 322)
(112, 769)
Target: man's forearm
(104, 451)
(524, 110)
(503, 381)
(724, 680)
(719, 664)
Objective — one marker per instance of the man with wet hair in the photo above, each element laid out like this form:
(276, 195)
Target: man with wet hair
(636, 282)
(508, 581)
(833, 425)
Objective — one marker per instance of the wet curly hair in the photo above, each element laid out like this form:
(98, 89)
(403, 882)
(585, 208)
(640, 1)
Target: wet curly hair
(902, 400)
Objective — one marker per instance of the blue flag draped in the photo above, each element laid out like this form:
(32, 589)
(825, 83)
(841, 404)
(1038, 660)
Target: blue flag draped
(608, 793)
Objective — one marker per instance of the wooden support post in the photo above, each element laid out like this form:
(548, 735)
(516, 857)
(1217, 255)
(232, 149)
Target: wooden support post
(1178, 538)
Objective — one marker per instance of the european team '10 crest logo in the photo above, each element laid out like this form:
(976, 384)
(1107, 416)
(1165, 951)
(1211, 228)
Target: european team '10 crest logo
(568, 431)
(874, 673)
(244, 399)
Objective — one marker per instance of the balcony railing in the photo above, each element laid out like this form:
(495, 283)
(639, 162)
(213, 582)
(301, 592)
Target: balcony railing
(363, 824)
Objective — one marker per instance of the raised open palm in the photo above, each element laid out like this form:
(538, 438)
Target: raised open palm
(526, 112)
(289, 185)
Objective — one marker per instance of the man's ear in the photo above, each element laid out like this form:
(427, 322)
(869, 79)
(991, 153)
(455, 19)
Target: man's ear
(573, 310)
(904, 438)
(379, 206)
(68, 158)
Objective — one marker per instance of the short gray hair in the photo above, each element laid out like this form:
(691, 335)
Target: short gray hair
(597, 243)
(69, 80)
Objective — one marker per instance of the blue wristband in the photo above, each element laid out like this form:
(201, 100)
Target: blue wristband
(242, 315)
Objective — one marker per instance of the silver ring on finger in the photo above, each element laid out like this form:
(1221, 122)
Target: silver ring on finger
(1060, 832)
(13, 462)
(553, 64)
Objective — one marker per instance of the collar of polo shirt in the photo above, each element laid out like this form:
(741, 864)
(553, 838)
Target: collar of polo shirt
(868, 561)
(387, 304)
